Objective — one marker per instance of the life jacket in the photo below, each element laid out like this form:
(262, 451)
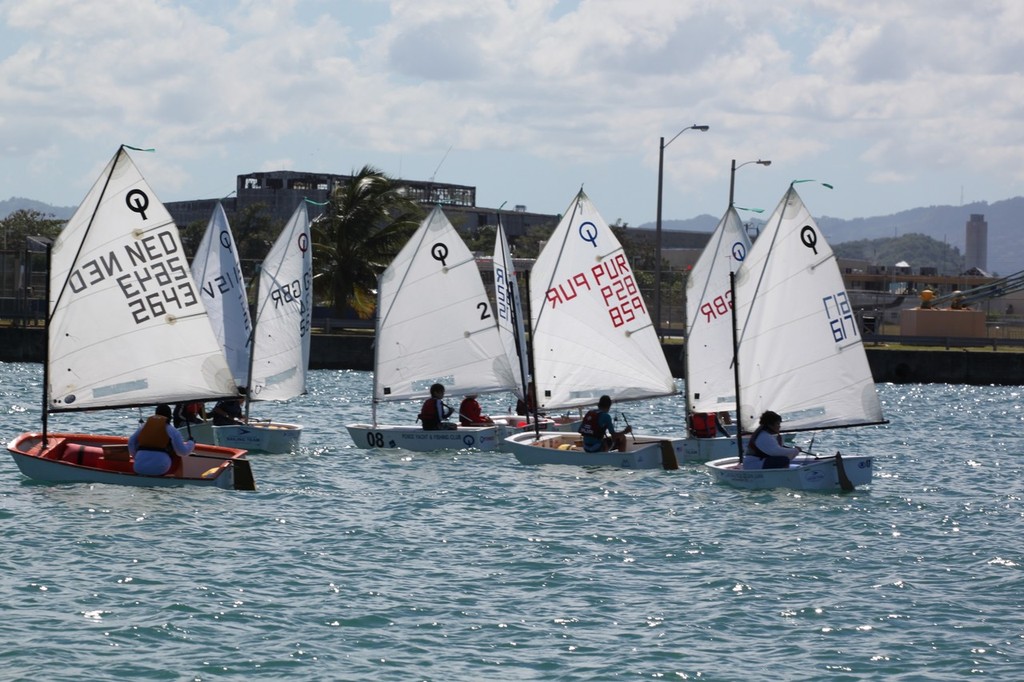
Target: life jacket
(703, 425)
(590, 426)
(752, 449)
(154, 435)
(469, 413)
(428, 414)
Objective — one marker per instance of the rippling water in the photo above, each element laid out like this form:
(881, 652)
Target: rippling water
(357, 564)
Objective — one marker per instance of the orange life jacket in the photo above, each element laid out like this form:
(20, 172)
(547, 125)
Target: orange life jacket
(154, 435)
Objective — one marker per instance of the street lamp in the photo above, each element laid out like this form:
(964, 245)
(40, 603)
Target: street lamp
(657, 228)
(732, 175)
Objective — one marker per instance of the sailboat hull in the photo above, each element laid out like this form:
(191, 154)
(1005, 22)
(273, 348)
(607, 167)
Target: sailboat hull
(266, 437)
(805, 473)
(82, 458)
(517, 423)
(415, 438)
(707, 449)
(642, 452)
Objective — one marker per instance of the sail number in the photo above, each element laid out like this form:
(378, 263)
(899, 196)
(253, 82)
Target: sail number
(501, 294)
(717, 307)
(840, 316)
(296, 293)
(613, 280)
(150, 272)
(375, 439)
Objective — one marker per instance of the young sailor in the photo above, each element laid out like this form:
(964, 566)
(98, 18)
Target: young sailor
(156, 446)
(765, 449)
(596, 424)
(434, 411)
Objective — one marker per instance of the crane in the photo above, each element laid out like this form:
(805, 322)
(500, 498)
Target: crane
(960, 299)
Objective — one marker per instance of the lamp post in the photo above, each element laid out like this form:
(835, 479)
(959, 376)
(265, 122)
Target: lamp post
(732, 175)
(657, 224)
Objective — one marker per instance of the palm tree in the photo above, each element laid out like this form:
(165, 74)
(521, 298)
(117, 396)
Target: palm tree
(365, 223)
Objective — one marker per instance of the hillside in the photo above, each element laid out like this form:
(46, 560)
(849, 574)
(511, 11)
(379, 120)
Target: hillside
(9, 206)
(947, 224)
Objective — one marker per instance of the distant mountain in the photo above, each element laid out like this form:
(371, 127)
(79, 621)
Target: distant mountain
(9, 206)
(946, 224)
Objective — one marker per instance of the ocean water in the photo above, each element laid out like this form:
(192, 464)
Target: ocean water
(354, 564)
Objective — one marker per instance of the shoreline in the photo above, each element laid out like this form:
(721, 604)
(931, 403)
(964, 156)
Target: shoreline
(979, 366)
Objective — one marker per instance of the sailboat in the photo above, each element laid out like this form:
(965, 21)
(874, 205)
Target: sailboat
(434, 325)
(276, 347)
(126, 328)
(509, 313)
(708, 353)
(799, 353)
(592, 335)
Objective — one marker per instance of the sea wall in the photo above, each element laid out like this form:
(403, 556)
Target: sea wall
(355, 351)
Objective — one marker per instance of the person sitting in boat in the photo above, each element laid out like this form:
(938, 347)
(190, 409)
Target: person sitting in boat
(434, 411)
(470, 412)
(156, 446)
(229, 411)
(598, 430)
(189, 413)
(765, 449)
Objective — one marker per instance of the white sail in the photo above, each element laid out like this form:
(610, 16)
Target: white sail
(127, 325)
(284, 314)
(800, 351)
(218, 273)
(509, 311)
(592, 332)
(710, 380)
(434, 321)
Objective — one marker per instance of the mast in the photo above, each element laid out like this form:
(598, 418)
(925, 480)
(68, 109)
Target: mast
(46, 353)
(736, 367)
(531, 388)
(376, 354)
(252, 347)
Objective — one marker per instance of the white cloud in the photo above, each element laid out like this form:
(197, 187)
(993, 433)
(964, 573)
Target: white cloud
(532, 96)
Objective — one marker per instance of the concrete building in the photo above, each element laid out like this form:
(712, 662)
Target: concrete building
(281, 191)
(976, 252)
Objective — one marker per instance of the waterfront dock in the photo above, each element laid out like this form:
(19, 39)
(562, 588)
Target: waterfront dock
(898, 360)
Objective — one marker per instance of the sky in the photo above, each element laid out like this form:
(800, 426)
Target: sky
(897, 103)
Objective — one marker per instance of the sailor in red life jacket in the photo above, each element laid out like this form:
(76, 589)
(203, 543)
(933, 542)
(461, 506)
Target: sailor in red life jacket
(156, 446)
(191, 413)
(765, 449)
(470, 413)
(434, 411)
(597, 423)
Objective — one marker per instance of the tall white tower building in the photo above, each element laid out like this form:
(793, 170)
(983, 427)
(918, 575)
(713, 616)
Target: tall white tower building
(976, 255)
